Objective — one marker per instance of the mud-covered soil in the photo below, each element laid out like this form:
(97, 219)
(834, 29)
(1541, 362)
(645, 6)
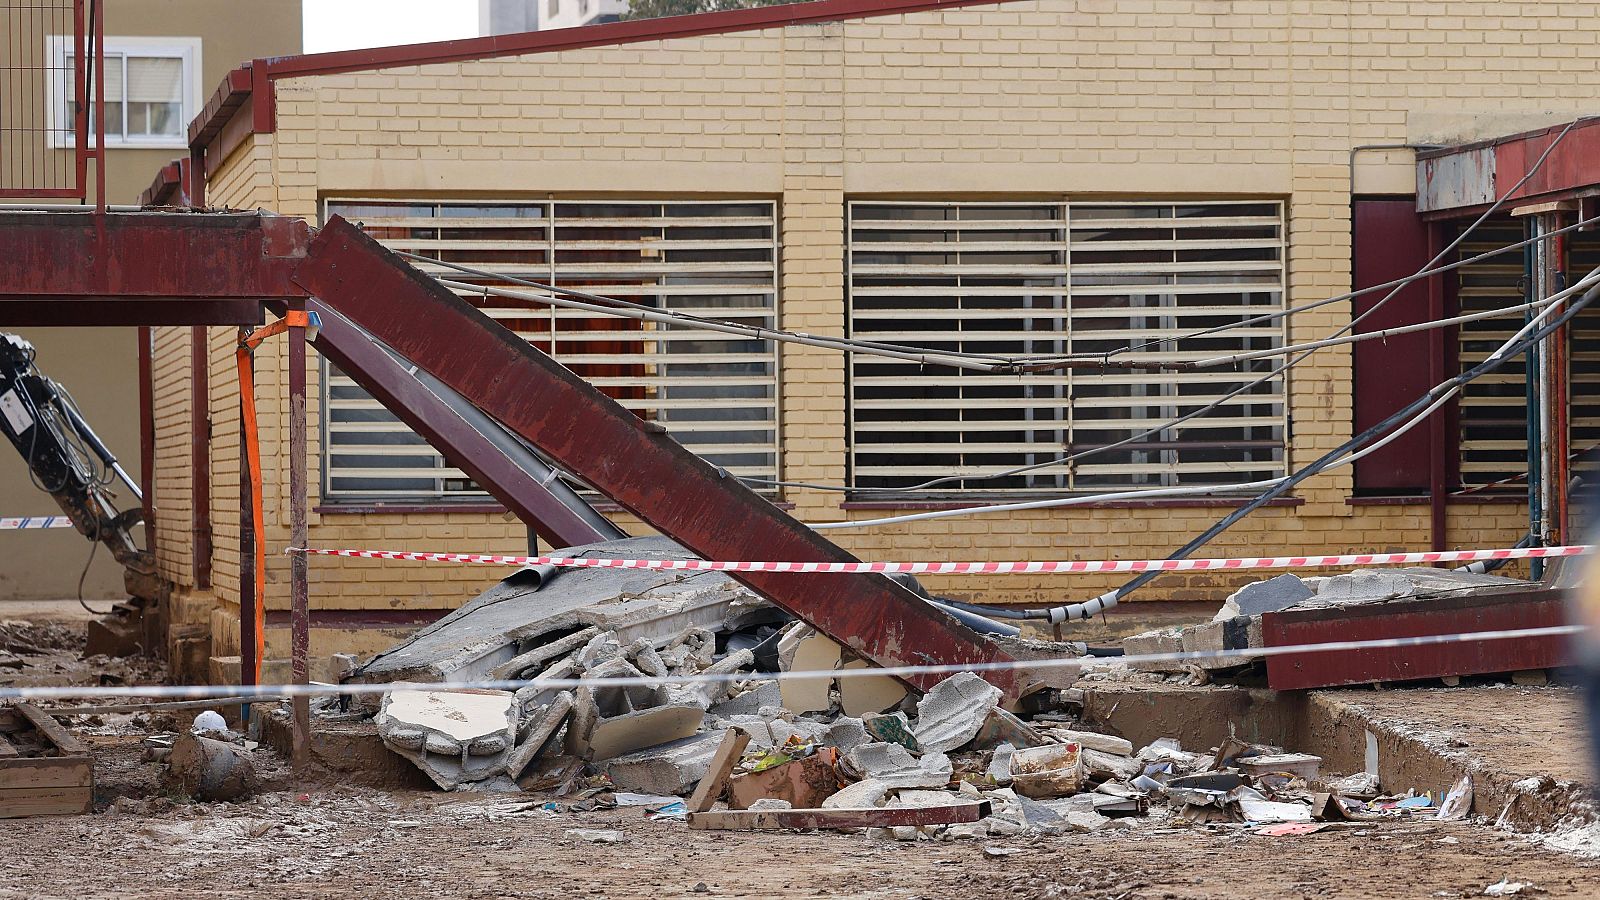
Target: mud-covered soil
(334, 841)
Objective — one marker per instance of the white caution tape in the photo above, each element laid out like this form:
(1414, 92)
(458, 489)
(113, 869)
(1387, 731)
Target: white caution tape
(224, 692)
(14, 523)
(1067, 567)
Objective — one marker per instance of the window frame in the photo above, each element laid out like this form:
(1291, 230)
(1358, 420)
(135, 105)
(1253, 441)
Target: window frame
(186, 49)
(1065, 205)
(334, 499)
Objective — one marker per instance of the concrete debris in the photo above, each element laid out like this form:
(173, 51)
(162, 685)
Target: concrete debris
(1272, 595)
(953, 712)
(672, 768)
(454, 737)
(597, 835)
(862, 694)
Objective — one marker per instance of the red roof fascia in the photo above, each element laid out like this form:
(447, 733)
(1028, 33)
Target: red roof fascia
(251, 77)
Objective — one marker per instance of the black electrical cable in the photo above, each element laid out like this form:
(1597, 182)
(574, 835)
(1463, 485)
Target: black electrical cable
(1091, 608)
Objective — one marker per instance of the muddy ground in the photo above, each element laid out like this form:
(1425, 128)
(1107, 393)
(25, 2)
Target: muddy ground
(321, 837)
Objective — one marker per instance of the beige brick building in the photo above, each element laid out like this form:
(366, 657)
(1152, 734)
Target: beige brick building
(1028, 177)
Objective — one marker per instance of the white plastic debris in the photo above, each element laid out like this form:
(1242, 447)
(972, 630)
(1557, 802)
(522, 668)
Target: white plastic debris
(210, 721)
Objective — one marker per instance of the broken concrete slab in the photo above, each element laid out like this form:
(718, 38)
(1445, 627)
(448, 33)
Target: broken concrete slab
(749, 703)
(1364, 587)
(671, 768)
(1271, 595)
(1153, 643)
(617, 735)
(1238, 633)
(534, 607)
(542, 655)
(953, 712)
(861, 795)
(845, 734)
(894, 766)
(538, 732)
(455, 737)
(1090, 740)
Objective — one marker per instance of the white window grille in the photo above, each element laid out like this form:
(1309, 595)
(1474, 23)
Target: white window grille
(1060, 278)
(151, 91)
(715, 393)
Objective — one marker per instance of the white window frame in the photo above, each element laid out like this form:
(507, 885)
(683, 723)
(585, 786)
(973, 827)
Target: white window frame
(187, 49)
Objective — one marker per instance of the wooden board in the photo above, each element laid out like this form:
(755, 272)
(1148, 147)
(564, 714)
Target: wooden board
(44, 785)
(60, 801)
(50, 728)
(727, 755)
(876, 817)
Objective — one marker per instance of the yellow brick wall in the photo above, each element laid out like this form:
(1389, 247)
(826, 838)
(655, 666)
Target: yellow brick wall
(1040, 99)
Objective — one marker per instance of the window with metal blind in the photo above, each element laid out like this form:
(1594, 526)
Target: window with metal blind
(1494, 407)
(716, 393)
(1063, 278)
(150, 90)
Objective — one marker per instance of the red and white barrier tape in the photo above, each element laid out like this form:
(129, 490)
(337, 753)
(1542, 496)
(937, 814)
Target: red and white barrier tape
(14, 523)
(1068, 567)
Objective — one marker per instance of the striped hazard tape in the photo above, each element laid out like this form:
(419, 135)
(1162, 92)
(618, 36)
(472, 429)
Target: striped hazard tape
(1067, 567)
(17, 523)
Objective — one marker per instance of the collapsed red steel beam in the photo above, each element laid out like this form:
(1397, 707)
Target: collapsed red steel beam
(631, 461)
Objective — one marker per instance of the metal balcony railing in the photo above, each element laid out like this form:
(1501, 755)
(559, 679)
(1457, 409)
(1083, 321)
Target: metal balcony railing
(51, 63)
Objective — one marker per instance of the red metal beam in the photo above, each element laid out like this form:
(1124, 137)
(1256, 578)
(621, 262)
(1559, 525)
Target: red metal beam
(1464, 179)
(466, 447)
(29, 311)
(170, 256)
(628, 459)
(1533, 608)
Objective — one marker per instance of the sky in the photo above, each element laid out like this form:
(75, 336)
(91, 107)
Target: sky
(355, 24)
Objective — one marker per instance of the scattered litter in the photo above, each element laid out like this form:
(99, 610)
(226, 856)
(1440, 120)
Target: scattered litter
(1458, 802)
(1506, 887)
(597, 835)
(1291, 829)
(1000, 852)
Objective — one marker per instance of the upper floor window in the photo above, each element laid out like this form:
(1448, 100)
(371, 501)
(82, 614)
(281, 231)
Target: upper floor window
(151, 91)
(1055, 279)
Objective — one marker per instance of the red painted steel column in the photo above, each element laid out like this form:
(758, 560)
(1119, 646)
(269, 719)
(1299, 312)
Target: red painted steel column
(1439, 443)
(299, 593)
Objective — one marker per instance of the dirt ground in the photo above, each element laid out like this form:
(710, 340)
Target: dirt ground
(332, 841)
(321, 837)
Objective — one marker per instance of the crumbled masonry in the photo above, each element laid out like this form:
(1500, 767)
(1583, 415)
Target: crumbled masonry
(858, 748)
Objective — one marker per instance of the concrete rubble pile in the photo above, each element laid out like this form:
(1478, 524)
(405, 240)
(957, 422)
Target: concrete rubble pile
(1237, 625)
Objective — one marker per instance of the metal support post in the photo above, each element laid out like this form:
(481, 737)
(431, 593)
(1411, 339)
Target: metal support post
(299, 610)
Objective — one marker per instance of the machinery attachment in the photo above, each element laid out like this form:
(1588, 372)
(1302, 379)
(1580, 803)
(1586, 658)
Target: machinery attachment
(65, 458)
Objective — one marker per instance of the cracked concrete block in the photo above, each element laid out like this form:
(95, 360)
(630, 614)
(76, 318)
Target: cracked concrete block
(864, 694)
(749, 703)
(585, 716)
(437, 730)
(1093, 740)
(615, 735)
(861, 795)
(804, 650)
(845, 734)
(1151, 643)
(756, 727)
(953, 712)
(537, 732)
(1271, 595)
(1239, 633)
(670, 769)
(705, 694)
(1364, 587)
(895, 767)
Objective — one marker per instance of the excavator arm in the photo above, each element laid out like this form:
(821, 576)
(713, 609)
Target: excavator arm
(65, 458)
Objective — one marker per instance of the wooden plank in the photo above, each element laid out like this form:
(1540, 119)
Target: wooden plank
(710, 787)
(877, 817)
(46, 772)
(48, 802)
(50, 728)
